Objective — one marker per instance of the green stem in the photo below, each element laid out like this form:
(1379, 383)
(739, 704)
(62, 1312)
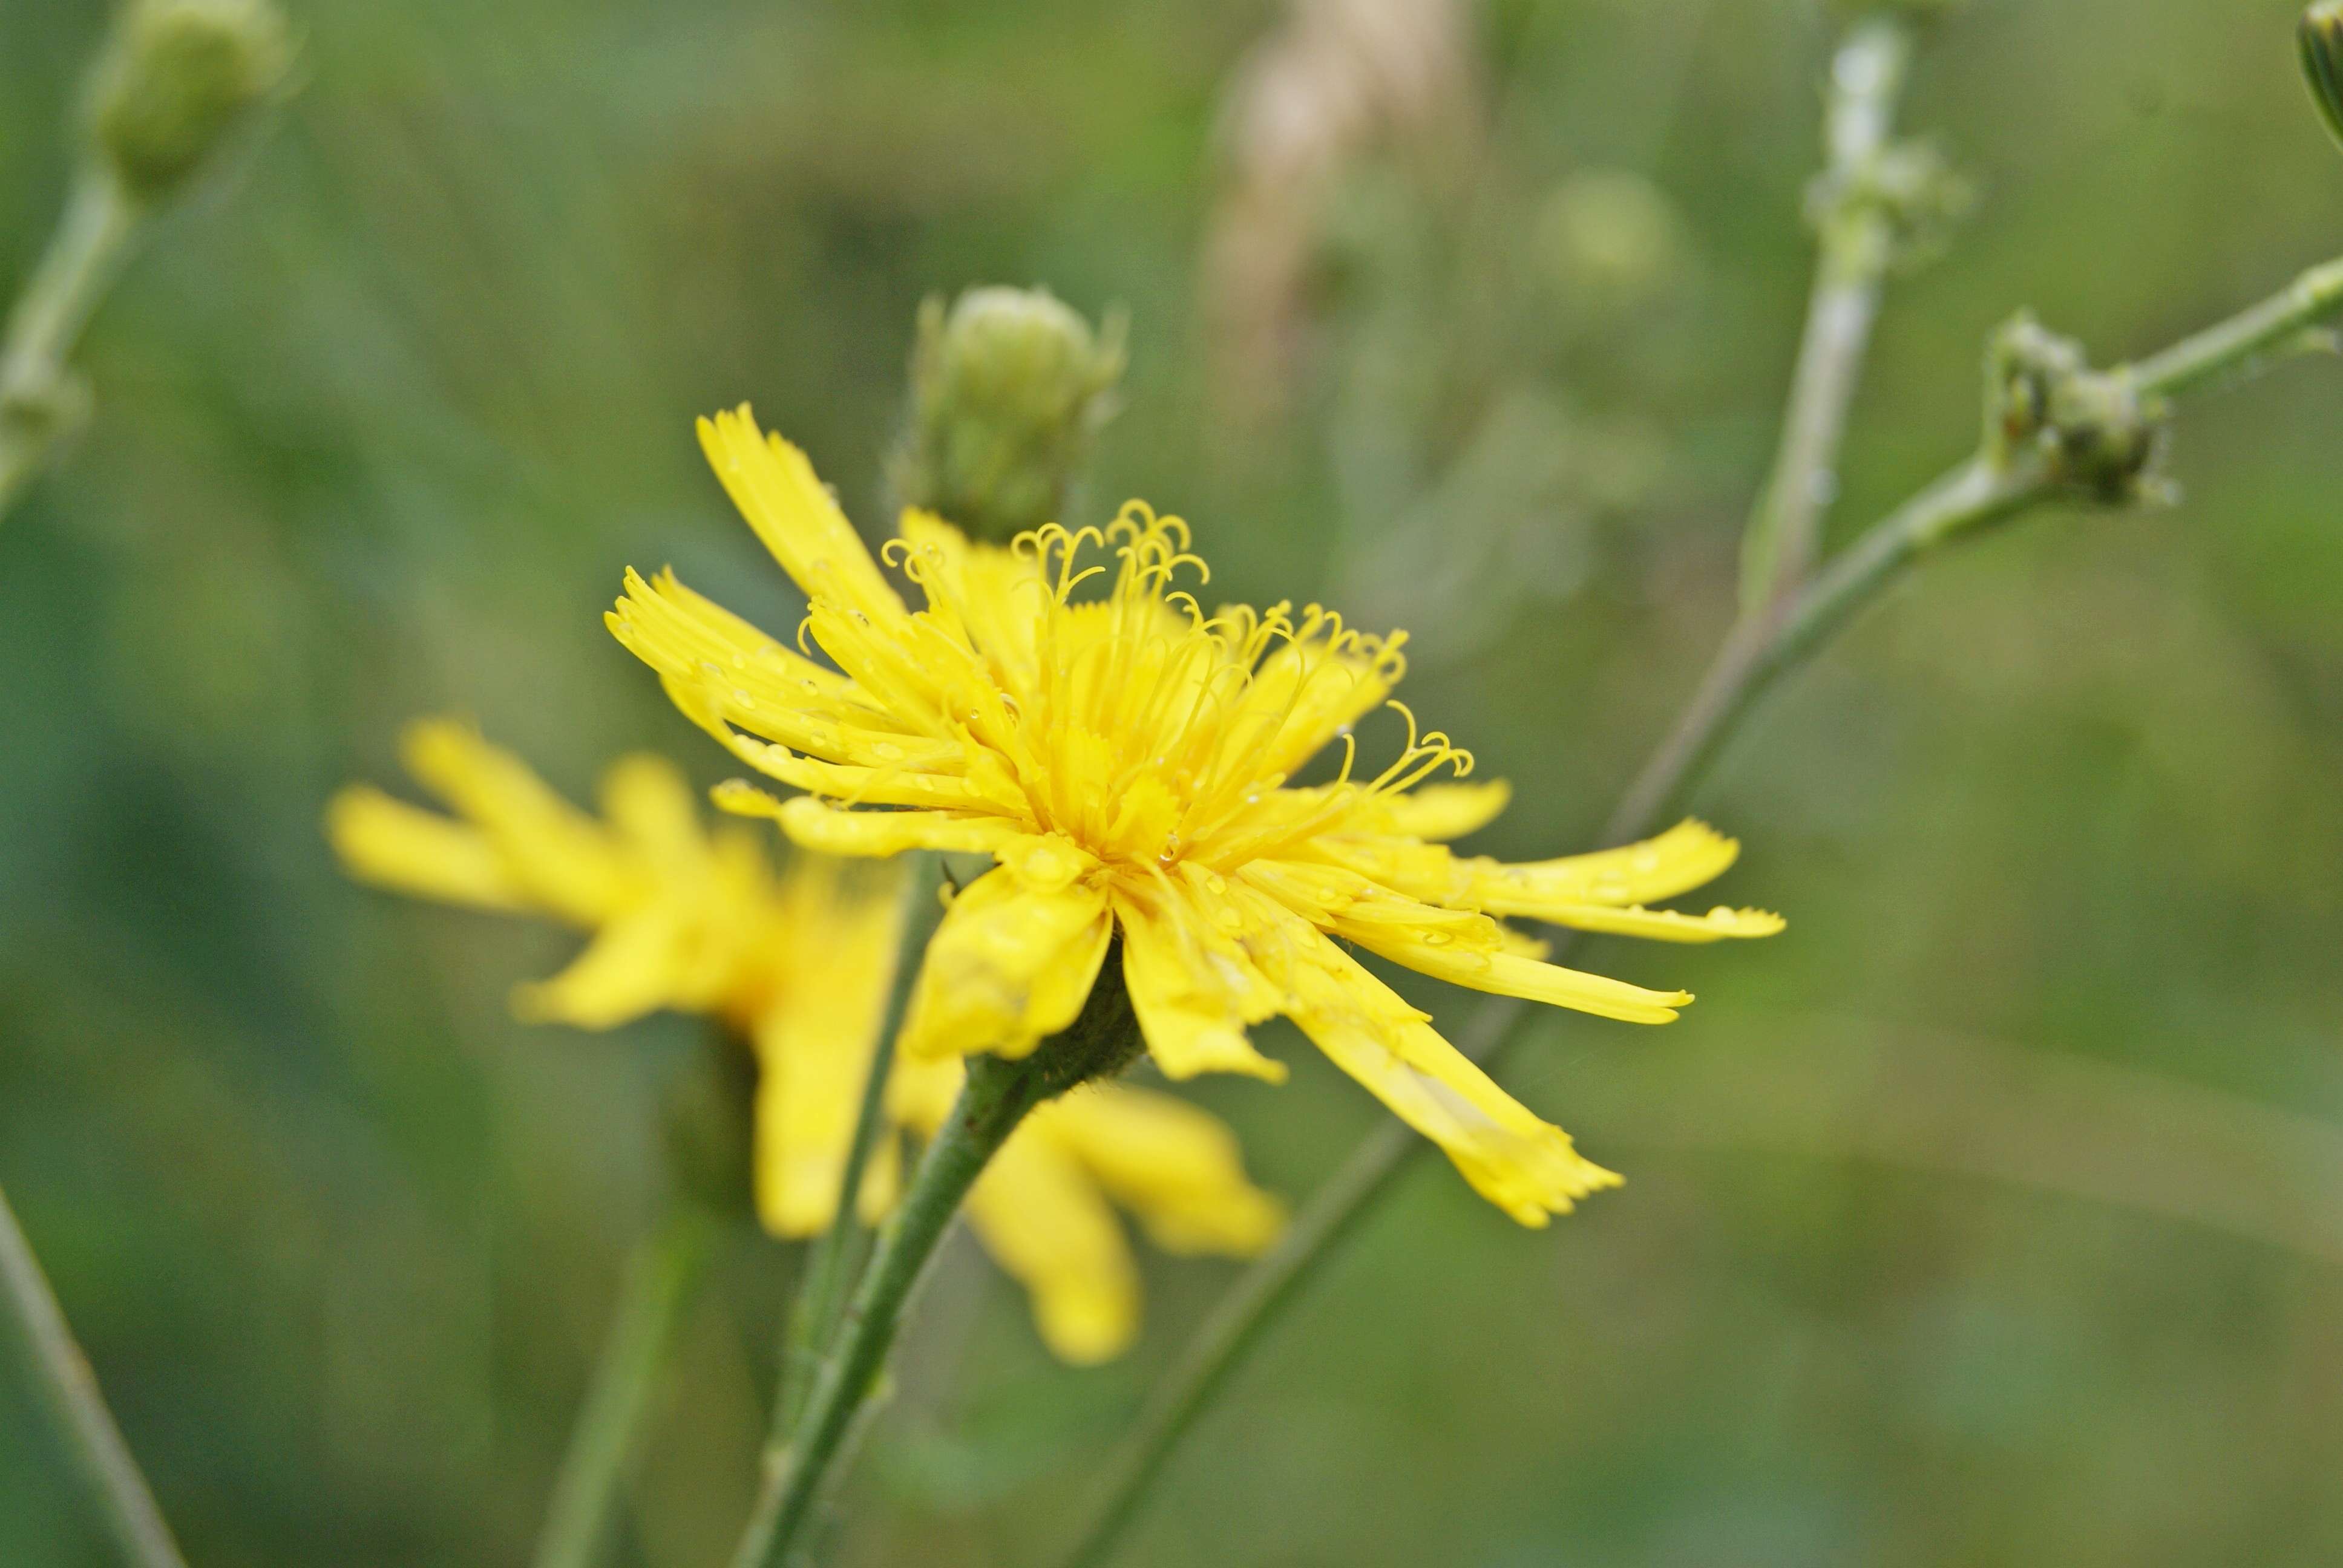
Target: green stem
(997, 1096)
(2243, 344)
(1761, 648)
(661, 1278)
(37, 398)
(93, 1445)
(814, 1318)
(1857, 243)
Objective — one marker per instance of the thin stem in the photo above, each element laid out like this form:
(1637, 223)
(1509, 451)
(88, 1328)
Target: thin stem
(1761, 647)
(996, 1098)
(94, 239)
(814, 1318)
(1758, 652)
(2244, 343)
(1857, 242)
(661, 1279)
(93, 1445)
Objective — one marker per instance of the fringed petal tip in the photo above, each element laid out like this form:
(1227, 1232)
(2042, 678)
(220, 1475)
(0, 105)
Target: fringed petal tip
(1556, 1182)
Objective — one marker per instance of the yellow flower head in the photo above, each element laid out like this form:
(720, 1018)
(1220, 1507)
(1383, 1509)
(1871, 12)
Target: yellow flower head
(1128, 762)
(800, 965)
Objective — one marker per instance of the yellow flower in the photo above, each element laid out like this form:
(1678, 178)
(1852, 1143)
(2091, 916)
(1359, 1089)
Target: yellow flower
(1128, 762)
(799, 967)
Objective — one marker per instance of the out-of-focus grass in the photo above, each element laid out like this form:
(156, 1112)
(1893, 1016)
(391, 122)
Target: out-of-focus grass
(381, 422)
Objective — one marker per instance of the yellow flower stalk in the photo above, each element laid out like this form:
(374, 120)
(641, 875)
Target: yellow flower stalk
(1130, 763)
(799, 965)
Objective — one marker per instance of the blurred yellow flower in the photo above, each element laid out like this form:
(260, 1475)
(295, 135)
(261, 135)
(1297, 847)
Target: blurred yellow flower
(1126, 759)
(799, 965)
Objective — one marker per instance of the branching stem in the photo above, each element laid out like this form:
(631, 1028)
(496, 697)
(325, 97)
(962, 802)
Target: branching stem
(1763, 647)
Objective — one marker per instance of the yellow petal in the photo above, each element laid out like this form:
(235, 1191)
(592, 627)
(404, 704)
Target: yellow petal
(1678, 860)
(1507, 974)
(1193, 990)
(1176, 1167)
(1524, 1165)
(1439, 812)
(648, 802)
(1009, 965)
(1519, 943)
(410, 851)
(986, 590)
(1720, 924)
(1309, 694)
(1046, 1224)
(678, 631)
(831, 831)
(794, 514)
(567, 861)
(635, 964)
(817, 1037)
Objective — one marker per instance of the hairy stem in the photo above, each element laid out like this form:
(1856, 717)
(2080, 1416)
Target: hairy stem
(813, 1319)
(38, 398)
(996, 1098)
(661, 1278)
(1761, 647)
(68, 1391)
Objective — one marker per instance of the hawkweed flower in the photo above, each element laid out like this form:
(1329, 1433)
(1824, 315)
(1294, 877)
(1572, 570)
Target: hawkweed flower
(1128, 762)
(799, 965)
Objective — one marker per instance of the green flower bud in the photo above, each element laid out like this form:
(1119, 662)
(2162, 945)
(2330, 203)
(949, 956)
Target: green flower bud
(2105, 441)
(1007, 391)
(2322, 60)
(176, 80)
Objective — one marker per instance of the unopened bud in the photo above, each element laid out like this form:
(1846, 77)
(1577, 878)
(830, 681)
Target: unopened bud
(1008, 388)
(2104, 440)
(177, 79)
(2322, 60)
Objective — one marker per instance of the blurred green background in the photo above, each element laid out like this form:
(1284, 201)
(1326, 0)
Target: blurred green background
(1993, 1215)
